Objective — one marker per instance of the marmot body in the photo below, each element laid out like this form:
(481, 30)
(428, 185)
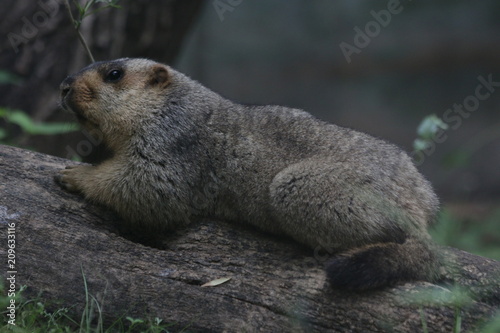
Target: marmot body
(182, 152)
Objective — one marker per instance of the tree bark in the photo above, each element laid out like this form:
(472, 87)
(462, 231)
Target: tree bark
(275, 286)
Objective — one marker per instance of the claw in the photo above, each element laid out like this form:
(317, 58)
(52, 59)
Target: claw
(63, 180)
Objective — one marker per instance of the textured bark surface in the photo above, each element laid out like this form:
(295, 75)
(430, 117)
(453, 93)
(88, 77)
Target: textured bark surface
(275, 286)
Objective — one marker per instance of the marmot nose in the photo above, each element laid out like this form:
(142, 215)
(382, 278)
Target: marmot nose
(65, 89)
(65, 86)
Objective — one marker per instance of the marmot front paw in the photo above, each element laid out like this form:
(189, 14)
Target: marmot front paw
(70, 178)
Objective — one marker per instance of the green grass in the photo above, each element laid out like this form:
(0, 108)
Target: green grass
(481, 237)
(33, 316)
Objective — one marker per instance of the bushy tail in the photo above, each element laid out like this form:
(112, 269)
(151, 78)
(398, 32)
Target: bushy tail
(383, 264)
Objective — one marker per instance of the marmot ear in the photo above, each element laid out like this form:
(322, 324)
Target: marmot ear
(159, 76)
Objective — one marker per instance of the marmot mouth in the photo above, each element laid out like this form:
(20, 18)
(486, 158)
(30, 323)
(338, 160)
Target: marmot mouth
(84, 121)
(69, 107)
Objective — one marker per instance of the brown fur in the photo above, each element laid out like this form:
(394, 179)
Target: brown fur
(182, 152)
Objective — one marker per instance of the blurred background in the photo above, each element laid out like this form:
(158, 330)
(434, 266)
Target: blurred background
(379, 67)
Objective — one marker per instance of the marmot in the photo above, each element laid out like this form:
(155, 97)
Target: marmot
(182, 152)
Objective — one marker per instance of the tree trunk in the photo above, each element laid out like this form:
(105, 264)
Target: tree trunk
(41, 47)
(275, 286)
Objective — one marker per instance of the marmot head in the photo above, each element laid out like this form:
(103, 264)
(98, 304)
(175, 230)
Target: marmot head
(114, 96)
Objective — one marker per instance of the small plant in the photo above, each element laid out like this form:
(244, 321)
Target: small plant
(493, 326)
(432, 127)
(455, 298)
(86, 10)
(479, 237)
(34, 316)
(426, 131)
(30, 127)
(7, 77)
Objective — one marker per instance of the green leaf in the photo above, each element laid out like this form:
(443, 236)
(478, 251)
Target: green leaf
(77, 5)
(111, 3)
(420, 144)
(87, 6)
(3, 134)
(134, 321)
(29, 126)
(457, 159)
(430, 126)
(9, 78)
(107, 4)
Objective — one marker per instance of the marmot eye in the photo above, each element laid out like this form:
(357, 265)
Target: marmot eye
(114, 75)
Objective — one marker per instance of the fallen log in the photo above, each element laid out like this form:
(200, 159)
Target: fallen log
(275, 286)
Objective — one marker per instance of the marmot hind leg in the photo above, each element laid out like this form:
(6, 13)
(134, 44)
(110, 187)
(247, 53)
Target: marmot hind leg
(332, 206)
(329, 204)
